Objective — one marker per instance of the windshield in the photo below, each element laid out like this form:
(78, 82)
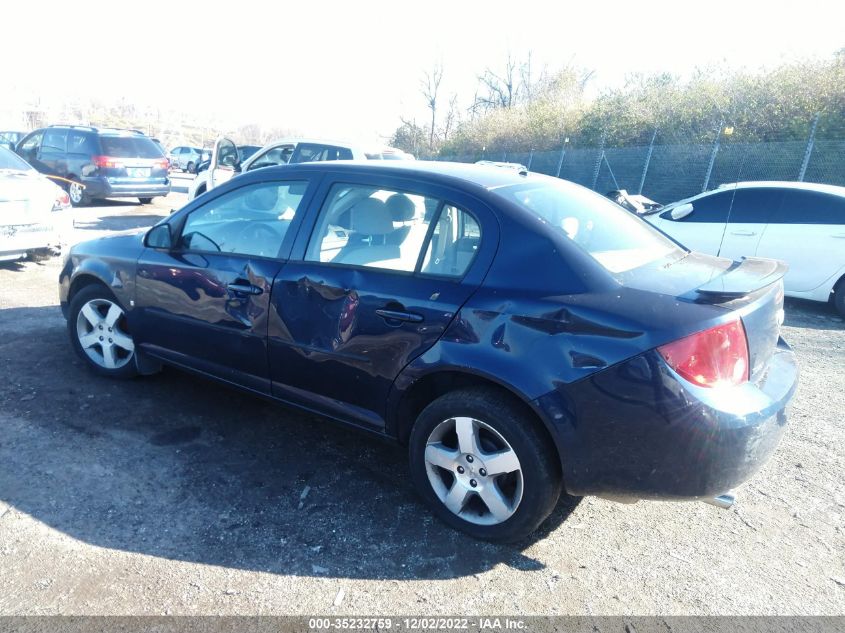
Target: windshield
(10, 160)
(615, 238)
(130, 147)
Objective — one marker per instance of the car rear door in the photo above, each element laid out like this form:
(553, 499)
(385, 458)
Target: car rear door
(808, 233)
(204, 303)
(52, 153)
(750, 212)
(375, 279)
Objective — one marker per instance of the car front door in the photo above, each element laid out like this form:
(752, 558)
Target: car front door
(701, 229)
(374, 281)
(808, 233)
(204, 302)
(224, 162)
(750, 212)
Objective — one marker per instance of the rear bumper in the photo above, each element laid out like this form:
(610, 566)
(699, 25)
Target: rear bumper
(637, 430)
(103, 188)
(17, 240)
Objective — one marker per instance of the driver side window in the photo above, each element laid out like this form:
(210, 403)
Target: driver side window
(252, 220)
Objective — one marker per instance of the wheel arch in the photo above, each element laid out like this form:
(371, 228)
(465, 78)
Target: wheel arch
(406, 405)
(83, 280)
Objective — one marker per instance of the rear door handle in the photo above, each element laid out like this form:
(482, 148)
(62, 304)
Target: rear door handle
(748, 233)
(244, 288)
(397, 315)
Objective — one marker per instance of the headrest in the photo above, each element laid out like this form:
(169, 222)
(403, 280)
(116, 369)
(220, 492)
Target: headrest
(371, 217)
(401, 207)
(297, 188)
(263, 198)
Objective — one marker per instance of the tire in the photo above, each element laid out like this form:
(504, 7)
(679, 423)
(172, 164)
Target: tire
(445, 469)
(190, 168)
(90, 317)
(145, 200)
(839, 298)
(77, 196)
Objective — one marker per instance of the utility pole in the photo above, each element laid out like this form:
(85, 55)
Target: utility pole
(808, 152)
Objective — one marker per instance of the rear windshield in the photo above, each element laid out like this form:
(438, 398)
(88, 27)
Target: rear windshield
(10, 160)
(615, 238)
(130, 147)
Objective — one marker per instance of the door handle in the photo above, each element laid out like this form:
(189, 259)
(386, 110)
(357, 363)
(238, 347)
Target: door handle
(244, 288)
(747, 233)
(398, 315)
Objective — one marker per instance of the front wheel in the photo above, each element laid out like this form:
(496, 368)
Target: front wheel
(99, 333)
(483, 466)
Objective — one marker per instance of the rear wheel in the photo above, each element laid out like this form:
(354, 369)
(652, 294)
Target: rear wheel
(839, 297)
(145, 200)
(76, 193)
(482, 465)
(99, 333)
(190, 167)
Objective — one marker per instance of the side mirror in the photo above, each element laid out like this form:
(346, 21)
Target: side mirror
(682, 211)
(159, 237)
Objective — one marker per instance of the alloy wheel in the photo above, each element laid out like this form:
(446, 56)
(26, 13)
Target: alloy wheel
(75, 192)
(474, 471)
(102, 334)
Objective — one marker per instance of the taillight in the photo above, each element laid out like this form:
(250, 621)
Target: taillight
(106, 161)
(713, 358)
(162, 163)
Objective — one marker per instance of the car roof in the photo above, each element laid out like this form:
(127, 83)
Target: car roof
(785, 184)
(488, 177)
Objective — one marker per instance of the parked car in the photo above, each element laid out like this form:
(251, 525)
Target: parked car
(186, 158)
(10, 138)
(388, 153)
(520, 334)
(244, 152)
(225, 159)
(98, 162)
(27, 203)
(801, 223)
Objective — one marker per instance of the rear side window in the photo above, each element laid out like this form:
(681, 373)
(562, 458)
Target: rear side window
(615, 238)
(712, 208)
(810, 207)
(309, 152)
(81, 143)
(129, 147)
(375, 227)
(754, 206)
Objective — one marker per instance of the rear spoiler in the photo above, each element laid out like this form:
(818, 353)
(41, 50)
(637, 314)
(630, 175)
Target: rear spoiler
(745, 276)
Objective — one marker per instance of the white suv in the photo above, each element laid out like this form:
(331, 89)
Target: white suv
(225, 162)
(802, 224)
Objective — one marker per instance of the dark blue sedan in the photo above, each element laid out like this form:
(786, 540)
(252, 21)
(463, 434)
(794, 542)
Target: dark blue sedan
(520, 334)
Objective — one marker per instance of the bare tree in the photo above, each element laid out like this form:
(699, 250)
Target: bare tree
(451, 117)
(430, 85)
(500, 90)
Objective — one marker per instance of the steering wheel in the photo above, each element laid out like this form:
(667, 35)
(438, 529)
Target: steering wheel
(262, 234)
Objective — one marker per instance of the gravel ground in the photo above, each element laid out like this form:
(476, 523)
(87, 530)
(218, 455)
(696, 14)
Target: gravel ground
(173, 495)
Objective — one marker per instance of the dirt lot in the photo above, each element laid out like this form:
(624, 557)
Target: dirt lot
(172, 495)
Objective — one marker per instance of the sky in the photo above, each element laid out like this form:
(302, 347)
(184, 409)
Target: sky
(350, 69)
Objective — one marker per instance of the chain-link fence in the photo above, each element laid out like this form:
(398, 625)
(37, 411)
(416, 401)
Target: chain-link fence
(670, 171)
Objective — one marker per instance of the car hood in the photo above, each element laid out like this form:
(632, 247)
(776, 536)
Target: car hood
(123, 246)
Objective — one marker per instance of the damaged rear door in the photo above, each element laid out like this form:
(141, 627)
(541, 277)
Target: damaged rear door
(373, 282)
